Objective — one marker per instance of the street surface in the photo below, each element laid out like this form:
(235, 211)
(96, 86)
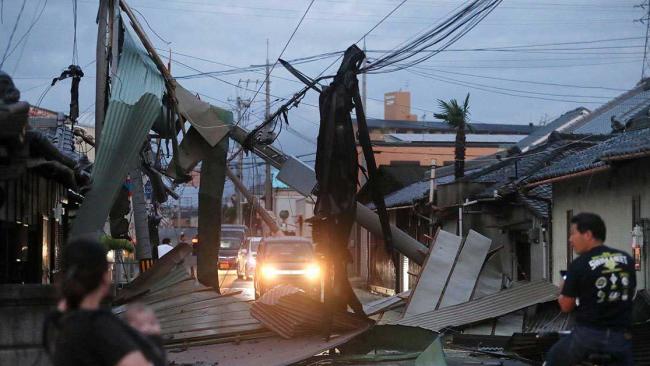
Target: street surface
(228, 281)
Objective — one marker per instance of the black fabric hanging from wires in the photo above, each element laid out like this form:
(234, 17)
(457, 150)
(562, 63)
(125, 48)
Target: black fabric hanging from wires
(441, 36)
(337, 172)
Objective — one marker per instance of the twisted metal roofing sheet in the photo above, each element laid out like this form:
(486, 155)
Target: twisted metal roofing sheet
(134, 105)
(488, 307)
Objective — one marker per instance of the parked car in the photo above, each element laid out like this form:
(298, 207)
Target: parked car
(234, 231)
(247, 258)
(287, 260)
(232, 238)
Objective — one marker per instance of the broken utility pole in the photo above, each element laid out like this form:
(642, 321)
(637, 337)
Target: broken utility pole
(266, 217)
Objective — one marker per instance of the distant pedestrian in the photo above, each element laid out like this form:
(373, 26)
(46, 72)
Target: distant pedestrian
(165, 247)
(599, 286)
(182, 239)
(85, 333)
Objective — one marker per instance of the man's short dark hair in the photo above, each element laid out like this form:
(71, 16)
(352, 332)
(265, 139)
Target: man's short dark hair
(587, 221)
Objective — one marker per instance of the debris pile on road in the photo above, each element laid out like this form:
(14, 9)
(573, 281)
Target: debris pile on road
(290, 312)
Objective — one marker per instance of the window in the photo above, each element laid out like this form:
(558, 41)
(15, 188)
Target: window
(569, 250)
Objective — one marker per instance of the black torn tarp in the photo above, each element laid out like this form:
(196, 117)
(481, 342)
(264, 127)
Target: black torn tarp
(337, 172)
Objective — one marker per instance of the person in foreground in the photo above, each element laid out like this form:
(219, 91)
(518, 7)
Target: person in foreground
(599, 286)
(86, 333)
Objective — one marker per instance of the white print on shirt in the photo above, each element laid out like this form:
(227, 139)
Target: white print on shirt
(610, 260)
(613, 279)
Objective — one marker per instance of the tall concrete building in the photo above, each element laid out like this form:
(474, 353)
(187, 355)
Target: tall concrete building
(397, 106)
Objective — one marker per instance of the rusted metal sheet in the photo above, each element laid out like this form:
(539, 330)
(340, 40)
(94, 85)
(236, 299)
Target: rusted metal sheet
(434, 275)
(289, 312)
(466, 270)
(187, 310)
(492, 306)
(155, 275)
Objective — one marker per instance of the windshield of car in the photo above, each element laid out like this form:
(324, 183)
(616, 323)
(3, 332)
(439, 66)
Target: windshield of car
(254, 245)
(288, 252)
(229, 233)
(230, 243)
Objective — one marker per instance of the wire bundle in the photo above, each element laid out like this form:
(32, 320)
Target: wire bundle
(442, 35)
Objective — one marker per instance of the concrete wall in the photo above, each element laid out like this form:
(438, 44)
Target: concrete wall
(287, 199)
(608, 194)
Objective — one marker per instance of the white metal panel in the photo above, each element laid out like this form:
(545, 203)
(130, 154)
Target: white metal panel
(435, 272)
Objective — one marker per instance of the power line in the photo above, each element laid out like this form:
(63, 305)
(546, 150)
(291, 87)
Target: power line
(490, 89)
(29, 29)
(13, 32)
(527, 81)
(295, 30)
(75, 52)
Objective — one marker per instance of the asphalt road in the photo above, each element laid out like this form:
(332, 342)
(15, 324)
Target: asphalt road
(228, 281)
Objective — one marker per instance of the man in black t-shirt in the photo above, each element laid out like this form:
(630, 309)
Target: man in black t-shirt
(599, 285)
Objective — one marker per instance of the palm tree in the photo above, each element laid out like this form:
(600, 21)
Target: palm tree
(456, 116)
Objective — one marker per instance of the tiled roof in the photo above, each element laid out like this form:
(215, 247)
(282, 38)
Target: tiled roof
(566, 123)
(515, 168)
(622, 108)
(537, 200)
(479, 128)
(413, 192)
(621, 144)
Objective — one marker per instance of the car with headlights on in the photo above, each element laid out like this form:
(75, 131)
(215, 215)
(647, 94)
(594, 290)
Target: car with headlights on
(287, 260)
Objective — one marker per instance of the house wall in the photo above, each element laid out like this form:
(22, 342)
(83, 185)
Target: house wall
(509, 228)
(608, 194)
(288, 199)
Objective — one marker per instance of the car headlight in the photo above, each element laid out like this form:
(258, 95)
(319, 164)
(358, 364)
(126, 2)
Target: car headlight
(312, 271)
(269, 271)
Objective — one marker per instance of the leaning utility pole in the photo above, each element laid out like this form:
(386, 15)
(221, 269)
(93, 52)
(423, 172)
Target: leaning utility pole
(240, 159)
(101, 69)
(268, 181)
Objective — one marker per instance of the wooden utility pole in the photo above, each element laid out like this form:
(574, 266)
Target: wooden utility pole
(101, 69)
(268, 181)
(266, 217)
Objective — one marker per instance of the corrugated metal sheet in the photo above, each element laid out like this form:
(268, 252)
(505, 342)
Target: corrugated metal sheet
(434, 127)
(451, 137)
(488, 307)
(188, 311)
(290, 312)
(462, 280)
(134, 105)
(438, 265)
(211, 122)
